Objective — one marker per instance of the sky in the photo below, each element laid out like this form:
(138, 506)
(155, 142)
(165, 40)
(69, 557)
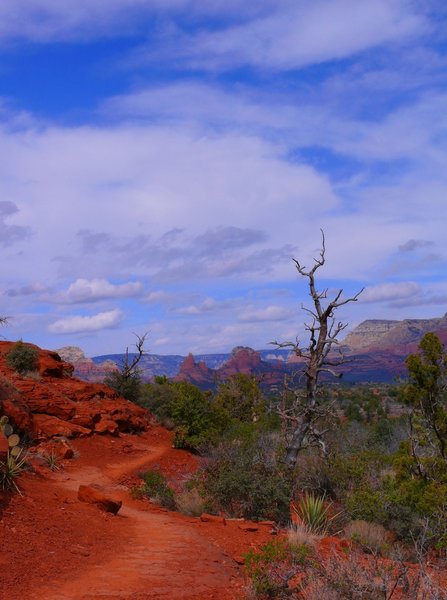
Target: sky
(163, 162)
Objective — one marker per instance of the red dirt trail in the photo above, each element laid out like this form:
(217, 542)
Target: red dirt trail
(57, 548)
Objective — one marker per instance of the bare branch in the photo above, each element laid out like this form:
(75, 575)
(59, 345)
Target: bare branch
(129, 367)
(324, 332)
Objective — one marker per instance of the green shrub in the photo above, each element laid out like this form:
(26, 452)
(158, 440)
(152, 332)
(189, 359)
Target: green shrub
(126, 385)
(22, 357)
(156, 488)
(246, 479)
(273, 566)
(197, 420)
(240, 397)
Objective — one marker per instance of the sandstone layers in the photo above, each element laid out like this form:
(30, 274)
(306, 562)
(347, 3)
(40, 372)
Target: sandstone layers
(51, 402)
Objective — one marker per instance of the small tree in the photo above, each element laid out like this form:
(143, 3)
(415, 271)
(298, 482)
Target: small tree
(127, 381)
(426, 393)
(307, 411)
(240, 396)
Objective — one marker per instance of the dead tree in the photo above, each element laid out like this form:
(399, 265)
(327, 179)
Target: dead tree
(307, 412)
(127, 380)
(129, 367)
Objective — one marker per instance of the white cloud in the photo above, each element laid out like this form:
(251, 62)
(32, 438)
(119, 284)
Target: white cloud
(208, 305)
(50, 20)
(269, 313)
(159, 296)
(301, 33)
(387, 292)
(81, 324)
(85, 290)
(121, 178)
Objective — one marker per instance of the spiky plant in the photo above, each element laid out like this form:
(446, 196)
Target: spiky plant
(315, 513)
(52, 461)
(10, 469)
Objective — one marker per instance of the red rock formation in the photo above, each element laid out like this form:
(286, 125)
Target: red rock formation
(85, 368)
(242, 360)
(195, 372)
(52, 403)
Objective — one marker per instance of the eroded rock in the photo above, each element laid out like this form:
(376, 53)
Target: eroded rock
(94, 494)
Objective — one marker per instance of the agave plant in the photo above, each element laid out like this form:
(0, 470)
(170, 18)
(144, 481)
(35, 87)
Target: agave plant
(10, 469)
(52, 461)
(315, 512)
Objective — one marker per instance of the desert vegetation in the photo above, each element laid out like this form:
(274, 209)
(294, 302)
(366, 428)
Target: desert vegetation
(363, 466)
(366, 464)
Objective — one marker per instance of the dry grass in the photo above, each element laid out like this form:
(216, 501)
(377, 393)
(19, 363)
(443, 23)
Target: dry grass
(190, 502)
(357, 577)
(372, 537)
(299, 535)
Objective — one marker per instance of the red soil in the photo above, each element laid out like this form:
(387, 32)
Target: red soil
(57, 548)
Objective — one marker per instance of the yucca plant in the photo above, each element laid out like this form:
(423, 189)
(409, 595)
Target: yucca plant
(10, 469)
(52, 461)
(315, 513)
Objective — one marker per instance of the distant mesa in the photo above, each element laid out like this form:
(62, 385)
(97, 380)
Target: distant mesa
(400, 336)
(377, 349)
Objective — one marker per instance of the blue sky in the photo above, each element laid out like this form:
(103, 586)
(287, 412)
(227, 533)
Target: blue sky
(164, 161)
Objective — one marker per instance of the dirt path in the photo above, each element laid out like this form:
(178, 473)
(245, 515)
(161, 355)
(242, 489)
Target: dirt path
(164, 556)
(61, 549)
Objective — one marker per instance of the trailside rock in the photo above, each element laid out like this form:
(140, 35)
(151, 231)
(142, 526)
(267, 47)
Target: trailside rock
(94, 494)
(46, 426)
(51, 403)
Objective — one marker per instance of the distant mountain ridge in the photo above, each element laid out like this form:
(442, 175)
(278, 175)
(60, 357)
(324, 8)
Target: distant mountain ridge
(375, 334)
(376, 348)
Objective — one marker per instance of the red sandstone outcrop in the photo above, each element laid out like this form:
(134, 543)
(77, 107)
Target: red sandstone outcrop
(85, 368)
(242, 360)
(52, 403)
(195, 372)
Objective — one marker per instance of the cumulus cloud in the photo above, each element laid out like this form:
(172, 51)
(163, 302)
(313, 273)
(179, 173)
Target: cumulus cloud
(387, 292)
(269, 313)
(85, 290)
(81, 324)
(159, 296)
(208, 305)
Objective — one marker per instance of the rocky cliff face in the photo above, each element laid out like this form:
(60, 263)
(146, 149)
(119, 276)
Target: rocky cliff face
(51, 403)
(85, 368)
(195, 372)
(241, 360)
(383, 335)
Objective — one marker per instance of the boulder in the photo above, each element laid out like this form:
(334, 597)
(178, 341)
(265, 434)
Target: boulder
(17, 410)
(59, 447)
(94, 494)
(47, 426)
